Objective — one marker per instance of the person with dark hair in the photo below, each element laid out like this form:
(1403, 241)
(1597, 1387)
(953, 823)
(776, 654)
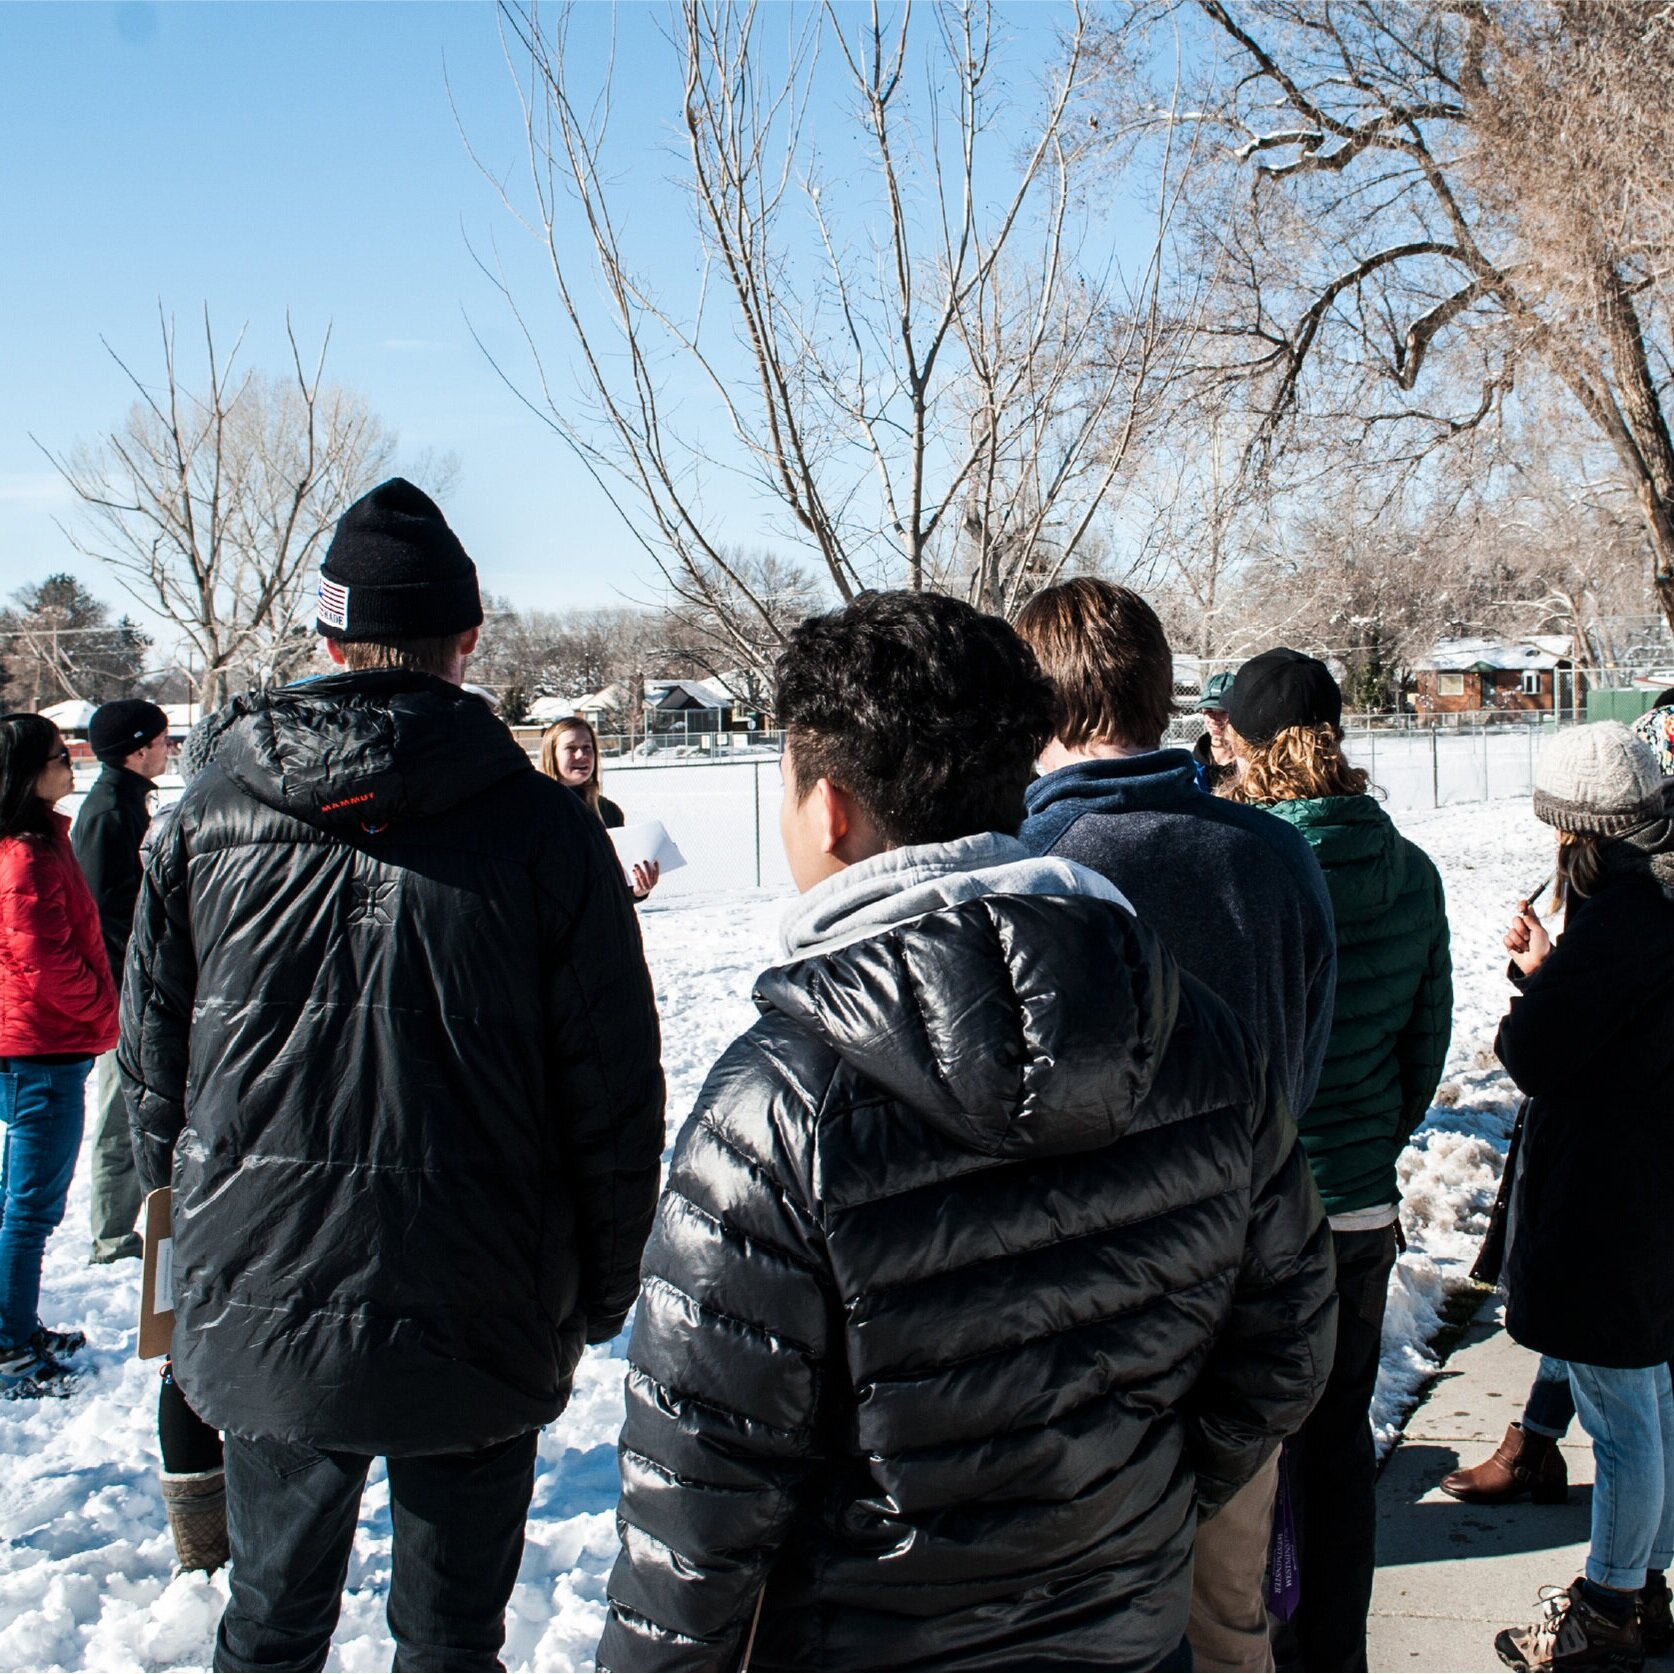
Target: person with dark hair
(388, 1031)
(988, 1257)
(1391, 1022)
(570, 754)
(1588, 1270)
(130, 737)
(57, 1013)
(1235, 896)
(1216, 763)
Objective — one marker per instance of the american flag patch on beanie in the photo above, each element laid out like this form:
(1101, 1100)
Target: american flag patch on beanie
(334, 603)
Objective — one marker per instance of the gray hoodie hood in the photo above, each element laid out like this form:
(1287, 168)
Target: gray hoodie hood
(903, 884)
(1011, 1003)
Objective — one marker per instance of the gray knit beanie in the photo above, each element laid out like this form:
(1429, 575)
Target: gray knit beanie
(1601, 781)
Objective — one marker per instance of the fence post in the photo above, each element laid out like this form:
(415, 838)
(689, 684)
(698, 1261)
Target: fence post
(755, 775)
(1435, 773)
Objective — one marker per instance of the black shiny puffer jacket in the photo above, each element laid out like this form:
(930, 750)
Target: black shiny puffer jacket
(387, 1029)
(986, 1257)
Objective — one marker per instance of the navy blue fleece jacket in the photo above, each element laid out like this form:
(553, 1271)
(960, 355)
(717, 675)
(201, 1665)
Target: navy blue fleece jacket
(1235, 894)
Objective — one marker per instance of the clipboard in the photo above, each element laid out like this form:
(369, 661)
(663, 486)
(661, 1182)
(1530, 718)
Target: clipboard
(156, 1316)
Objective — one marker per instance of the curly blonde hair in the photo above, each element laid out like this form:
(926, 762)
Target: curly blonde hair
(1296, 765)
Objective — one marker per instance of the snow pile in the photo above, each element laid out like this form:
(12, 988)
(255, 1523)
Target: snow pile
(85, 1558)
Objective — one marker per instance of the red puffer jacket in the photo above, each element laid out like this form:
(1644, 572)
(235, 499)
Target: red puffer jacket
(56, 990)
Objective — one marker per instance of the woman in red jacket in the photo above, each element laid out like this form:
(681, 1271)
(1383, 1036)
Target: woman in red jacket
(57, 1013)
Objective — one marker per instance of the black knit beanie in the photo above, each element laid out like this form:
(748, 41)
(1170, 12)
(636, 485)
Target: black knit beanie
(395, 570)
(118, 729)
(1282, 688)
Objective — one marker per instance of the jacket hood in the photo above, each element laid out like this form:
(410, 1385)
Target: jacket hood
(1358, 848)
(1113, 785)
(366, 749)
(977, 1012)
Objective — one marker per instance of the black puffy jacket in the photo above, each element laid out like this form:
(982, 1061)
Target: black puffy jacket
(984, 1260)
(388, 1031)
(107, 836)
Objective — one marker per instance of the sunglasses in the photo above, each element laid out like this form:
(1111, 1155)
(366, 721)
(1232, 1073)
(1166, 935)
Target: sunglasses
(60, 754)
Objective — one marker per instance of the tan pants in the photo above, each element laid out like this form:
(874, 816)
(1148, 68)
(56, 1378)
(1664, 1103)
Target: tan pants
(1228, 1623)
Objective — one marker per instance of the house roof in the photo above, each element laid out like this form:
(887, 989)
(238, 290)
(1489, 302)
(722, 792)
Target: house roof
(547, 709)
(608, 697)
(1453, 656)
(72, 715)
(696, 692)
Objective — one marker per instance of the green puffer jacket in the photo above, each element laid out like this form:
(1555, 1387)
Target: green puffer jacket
(1394, 1008)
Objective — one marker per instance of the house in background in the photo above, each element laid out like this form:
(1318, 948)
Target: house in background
(687, 709)
(1466, 676)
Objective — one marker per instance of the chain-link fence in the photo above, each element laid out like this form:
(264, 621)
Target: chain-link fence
(723, 809)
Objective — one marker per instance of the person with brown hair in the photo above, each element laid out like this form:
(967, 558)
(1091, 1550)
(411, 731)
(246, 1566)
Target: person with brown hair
(1384, 1058)
(1235, 896)
(570, 754)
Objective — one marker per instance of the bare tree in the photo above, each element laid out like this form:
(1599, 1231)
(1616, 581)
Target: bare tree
(904, 355)
(210, 504)
(1412, 210)
(729, 641)
(556, 654)
(61, 643)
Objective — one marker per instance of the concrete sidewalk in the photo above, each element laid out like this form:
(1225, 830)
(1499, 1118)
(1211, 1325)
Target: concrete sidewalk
(1450, 1576)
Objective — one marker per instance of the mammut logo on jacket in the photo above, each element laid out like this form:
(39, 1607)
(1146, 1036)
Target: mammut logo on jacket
(348, 802)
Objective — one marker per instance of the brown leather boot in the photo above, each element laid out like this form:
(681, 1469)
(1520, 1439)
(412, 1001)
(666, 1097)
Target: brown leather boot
(1523, 1464)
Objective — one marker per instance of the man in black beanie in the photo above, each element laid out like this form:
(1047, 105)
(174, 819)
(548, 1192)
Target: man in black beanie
(131, 739)
(388, 1031)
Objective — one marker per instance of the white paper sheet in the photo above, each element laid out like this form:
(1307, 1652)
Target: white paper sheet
(647, 841)
(165, 1276)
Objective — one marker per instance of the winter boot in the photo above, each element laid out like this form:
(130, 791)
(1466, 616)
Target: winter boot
(1571, 1634)
(197, 1508)
(26, 1374)
(59, 1344)
(1523, 1464)
(1656, 1614)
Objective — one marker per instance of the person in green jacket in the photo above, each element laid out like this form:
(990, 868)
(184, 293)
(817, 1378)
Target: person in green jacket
(1384, 1058)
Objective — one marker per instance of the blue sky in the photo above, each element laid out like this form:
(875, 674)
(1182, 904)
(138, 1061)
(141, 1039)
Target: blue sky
(265, 157)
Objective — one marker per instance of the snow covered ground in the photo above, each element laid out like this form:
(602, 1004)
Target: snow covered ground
(85, 1568)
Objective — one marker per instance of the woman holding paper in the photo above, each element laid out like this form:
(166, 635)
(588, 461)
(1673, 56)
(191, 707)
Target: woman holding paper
(570, 754)
(57, 1014)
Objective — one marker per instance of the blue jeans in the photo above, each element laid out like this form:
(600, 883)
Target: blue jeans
(41, 1106)
(1550, 1405)
(1628, 1413)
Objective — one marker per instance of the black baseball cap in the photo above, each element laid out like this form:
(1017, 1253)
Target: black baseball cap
(1282, 688)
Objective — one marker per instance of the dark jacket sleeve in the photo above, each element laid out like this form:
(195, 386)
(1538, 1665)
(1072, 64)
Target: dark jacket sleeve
(1587, 992)
(159, 986)
(107, 846)
(605, 1079)
(725, 1383)
(1421, 1050)
(1269, 1366)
